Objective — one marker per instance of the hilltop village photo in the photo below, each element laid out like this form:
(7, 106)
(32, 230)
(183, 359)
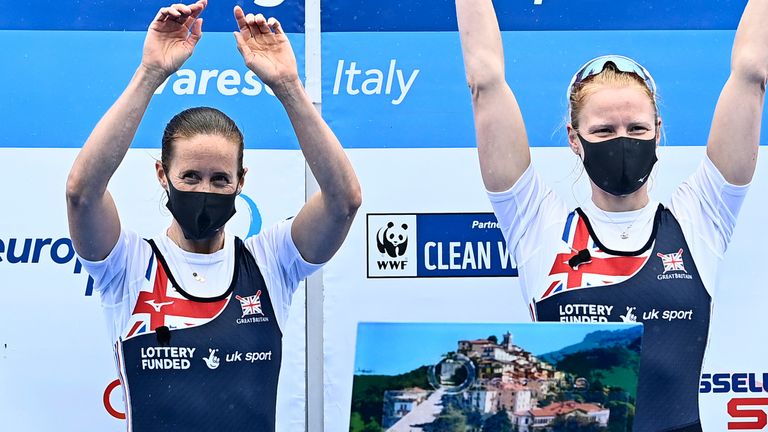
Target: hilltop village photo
(496, 384)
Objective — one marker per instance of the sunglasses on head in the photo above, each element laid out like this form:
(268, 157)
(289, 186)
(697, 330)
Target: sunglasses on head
(622, 64)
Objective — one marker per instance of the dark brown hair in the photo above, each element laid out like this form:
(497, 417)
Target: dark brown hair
(201, 121)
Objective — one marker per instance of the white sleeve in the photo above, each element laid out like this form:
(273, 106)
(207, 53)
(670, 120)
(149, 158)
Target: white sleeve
(707, 205)
(281, 264)
(523, 211)
(115, 274)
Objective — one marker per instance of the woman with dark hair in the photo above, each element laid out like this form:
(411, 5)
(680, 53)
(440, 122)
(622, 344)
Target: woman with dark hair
(623, 256)
(180, 303)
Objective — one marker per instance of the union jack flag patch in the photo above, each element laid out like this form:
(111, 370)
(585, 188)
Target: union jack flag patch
(601, 269)
(251, 305)
(672, 261)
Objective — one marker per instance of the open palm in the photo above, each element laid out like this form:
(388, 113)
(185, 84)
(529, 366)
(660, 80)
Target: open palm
(172, 37)
(265, 48)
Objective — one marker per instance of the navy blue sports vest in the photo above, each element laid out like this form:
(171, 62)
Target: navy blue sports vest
(220, 375)
(667, 295)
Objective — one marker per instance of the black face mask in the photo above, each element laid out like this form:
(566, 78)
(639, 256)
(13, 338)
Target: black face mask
(200, 214)
(621, 165)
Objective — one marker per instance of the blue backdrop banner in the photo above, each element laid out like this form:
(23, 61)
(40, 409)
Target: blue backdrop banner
(62, 78)
(408, 89)
(60, 90)
(136, 14)
(440, 15)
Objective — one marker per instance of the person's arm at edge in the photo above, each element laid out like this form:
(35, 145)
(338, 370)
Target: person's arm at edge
(502, 143)
(94, 223)
(322, 224)
(734, 138)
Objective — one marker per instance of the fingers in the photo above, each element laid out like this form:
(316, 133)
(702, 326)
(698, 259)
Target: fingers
(196, 32)
(274, 24)
(251, 25)
(190, 22)
(240, 17)
(197, 8)
(181, 13)
(242, 23)
(175, 12)
(258, 21)
(163, 14)
(250, 19)
(240, 42)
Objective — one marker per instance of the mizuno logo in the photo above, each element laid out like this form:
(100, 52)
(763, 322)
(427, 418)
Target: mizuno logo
(157, 306)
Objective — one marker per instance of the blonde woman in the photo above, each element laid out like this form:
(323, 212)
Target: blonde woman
(623, 256)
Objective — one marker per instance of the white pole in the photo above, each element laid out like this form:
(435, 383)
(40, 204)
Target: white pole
(314, 307)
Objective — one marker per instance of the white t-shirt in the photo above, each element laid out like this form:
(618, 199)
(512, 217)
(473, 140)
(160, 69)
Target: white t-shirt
(532, 218)
(119, 277)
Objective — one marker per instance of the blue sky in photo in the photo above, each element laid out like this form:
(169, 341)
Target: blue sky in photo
(394, 348)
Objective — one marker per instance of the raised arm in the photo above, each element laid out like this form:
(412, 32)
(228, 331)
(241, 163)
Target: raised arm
(94, 224)
(322, 224)
(502, 144)
(735, 134)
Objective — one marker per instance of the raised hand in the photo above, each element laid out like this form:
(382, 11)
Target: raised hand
(172, 37)
(265, 48)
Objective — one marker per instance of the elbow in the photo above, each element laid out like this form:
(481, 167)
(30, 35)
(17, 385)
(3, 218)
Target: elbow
(484, 73)
(353, 200)
(74, 191)
(77, 192)
(480, 84)
(751, 67)
(348, 202)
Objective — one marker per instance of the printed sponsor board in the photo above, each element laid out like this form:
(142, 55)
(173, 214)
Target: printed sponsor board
(436, 245)
(747, 392)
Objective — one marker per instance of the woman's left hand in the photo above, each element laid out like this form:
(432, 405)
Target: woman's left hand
(265, 49)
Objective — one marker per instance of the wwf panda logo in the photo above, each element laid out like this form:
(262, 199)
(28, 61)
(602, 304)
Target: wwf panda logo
(392, 239)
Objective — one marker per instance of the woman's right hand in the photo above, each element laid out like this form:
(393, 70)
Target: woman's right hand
(172, 37)
(94, 223)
